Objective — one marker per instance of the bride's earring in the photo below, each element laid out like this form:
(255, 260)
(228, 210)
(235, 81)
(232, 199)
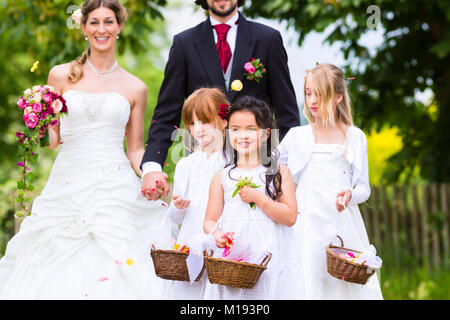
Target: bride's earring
(117, 37)
(86, 38)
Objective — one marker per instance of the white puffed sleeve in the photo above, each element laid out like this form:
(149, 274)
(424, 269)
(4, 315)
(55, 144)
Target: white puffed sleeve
(296, 149)
(283, 148)
(360, 178)
(180, 183)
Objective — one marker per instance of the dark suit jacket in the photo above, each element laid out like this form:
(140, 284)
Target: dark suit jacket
(194, 63)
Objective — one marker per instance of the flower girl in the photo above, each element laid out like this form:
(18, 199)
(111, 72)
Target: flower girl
(255, 217)
(328, 160)
(203, 114)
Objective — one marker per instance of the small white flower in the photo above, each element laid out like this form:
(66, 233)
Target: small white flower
(77, 16)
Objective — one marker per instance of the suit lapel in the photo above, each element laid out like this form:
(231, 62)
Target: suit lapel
(208, 55)
(242, 53)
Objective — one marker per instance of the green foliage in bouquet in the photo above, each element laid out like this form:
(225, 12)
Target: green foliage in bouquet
(245, 182)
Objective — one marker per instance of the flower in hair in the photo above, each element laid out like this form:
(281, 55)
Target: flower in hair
(77, 16)
(224, 110)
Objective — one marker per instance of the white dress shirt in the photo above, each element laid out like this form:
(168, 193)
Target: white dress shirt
(152, 166)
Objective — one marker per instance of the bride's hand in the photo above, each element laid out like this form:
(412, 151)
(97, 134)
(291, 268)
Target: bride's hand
(342, 199)
(54, 134)
(180, 202)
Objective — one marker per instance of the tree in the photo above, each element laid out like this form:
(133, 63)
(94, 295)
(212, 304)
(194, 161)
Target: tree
(39, 31)
(414, 56)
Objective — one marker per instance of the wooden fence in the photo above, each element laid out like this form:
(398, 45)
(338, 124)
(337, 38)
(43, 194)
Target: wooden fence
(409, 225)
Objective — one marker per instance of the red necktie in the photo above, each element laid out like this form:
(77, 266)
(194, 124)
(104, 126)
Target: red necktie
(223, 48)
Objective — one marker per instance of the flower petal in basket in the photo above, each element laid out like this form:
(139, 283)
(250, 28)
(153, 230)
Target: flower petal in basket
(344, 269)
(234, 274)
(171, 264)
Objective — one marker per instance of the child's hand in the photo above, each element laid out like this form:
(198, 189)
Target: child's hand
(219, 237)
(180, 202)
(342, 199)
(249, 194)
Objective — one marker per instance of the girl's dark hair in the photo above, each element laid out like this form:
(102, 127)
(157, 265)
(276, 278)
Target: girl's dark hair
(269, 154)
(205, 6)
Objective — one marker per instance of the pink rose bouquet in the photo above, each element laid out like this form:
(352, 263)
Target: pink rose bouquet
(39, 108)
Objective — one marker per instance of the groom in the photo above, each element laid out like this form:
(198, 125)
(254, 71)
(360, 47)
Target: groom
(213, 54)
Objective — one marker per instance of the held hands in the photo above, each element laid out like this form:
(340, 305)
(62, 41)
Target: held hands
(342, 199)
(180, 202)
(154, 185)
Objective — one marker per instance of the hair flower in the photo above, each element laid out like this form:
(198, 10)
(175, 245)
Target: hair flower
(224, 110)
(77, 16)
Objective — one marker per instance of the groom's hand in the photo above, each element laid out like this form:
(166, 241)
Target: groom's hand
(154, 185)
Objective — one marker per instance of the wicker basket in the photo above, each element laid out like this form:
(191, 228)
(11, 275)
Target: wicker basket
(234, 274)
(346, 270)
(171, 264)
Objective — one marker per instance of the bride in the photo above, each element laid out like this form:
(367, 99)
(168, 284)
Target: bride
(85, 236)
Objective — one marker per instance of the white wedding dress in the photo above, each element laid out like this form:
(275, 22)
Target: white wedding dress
(86, 234)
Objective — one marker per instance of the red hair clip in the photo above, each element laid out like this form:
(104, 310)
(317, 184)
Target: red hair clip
(224, 110)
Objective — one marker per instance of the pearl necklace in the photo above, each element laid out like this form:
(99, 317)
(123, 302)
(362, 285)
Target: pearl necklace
(102, 74)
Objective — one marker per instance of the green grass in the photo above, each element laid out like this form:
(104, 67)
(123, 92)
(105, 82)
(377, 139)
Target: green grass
(416, 284)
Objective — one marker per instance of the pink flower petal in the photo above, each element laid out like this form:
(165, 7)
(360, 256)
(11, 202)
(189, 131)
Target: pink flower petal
(102, 279)
(118, 263)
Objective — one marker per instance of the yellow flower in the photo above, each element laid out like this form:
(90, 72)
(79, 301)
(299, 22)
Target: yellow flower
(35, 66)
(130, 261)
(237, 85)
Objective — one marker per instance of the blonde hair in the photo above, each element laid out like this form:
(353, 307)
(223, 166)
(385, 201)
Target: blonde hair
(328, 81)
(76, 69)
(204, 103)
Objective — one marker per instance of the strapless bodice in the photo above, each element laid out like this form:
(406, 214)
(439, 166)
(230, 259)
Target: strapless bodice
(95, 118)
(93, 131)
